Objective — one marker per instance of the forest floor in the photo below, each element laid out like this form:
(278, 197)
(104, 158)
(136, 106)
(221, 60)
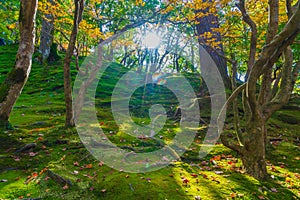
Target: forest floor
(38, 117)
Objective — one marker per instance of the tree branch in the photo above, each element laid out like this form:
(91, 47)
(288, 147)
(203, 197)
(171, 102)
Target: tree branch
(253, 27)
(270, 54)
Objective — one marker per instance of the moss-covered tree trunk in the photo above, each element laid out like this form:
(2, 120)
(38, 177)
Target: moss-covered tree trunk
(79, 6)
(12, 87)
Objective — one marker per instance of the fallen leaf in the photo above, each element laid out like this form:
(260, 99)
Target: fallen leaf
(204, 163)
(232, 195)
(89, 166)
(89, 176)
(214, 162)
(185, 181)
(219, 172)
(63, 158)
(3, 180)
(217, 158)
(103, 190)
(76, 164)
(35, 174)
(66, 187)
(274, 190)
(32, 154)
(75, 172)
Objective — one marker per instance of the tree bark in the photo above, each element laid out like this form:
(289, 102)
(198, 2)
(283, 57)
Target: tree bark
(46, 38)
(13, 85)
(253, 153)
(253, 42)
(260, 106)
(207, 24)
(79, 7)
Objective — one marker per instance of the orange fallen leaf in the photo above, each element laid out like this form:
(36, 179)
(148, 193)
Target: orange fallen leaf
(35, 174)
(232, 195)
(89, 166)
(63, 158)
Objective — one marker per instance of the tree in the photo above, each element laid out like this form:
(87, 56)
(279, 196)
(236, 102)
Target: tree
(47, 32)
(263, 94)
(79, 7)
(206, 22)
(12, 87)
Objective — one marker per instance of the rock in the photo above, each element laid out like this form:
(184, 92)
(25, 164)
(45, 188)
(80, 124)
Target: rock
(38, 123)
(25, 148)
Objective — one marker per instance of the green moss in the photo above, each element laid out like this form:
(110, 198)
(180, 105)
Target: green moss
(289, 118)
(42, 101)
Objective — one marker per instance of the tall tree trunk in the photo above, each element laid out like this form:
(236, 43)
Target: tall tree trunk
(206, 24)
(12, 87)
(79, 7)
(46, 39)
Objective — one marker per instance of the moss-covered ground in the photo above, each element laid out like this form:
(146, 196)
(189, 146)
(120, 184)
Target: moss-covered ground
(38, 117)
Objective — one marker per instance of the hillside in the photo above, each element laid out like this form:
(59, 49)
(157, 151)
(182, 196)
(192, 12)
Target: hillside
(38, 117)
